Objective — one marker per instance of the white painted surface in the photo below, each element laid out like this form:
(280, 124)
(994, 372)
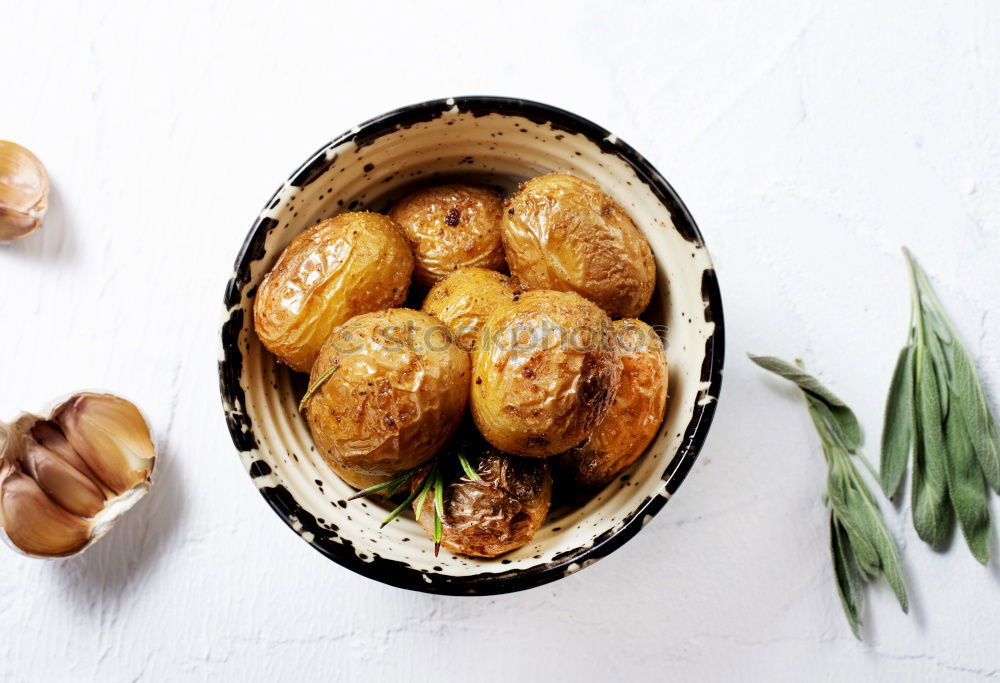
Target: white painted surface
(810, 140)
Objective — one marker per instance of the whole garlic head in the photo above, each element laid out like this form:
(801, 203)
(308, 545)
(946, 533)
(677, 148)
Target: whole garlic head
(67, 478)
(24, 192)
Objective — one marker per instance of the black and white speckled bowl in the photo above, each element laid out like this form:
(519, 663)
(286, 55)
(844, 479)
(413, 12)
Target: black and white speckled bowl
(501, 141)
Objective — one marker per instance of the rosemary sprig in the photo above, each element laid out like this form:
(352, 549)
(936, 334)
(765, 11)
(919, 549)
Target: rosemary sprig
(432, 484)
(399, 508)
(425, 486)
(438, 509)
(469, 472)
(317, 384)
(860, 543)
(390, 487)
(937, 410)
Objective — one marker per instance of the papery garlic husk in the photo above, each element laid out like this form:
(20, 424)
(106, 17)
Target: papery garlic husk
(67, 478)
(24, 192)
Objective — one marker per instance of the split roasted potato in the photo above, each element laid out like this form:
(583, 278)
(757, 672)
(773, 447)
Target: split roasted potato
(545, 371)
(387, 391)
(563, 233)
(496, 513)
(450, 227)
(465, 298)
(350, 264)
(635, 415)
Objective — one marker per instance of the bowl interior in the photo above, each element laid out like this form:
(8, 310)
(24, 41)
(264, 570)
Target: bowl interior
(499, 143)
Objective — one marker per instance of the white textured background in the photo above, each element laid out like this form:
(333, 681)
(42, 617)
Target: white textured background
(810, 141)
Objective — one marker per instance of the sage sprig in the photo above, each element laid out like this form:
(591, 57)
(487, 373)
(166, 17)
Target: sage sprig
(860, 543)
(937, 410)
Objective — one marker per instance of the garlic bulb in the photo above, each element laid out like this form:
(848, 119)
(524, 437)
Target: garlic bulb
(66, 479)
(24, 192)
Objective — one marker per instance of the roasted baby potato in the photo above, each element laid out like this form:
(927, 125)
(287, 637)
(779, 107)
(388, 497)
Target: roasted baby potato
(387, 391)
(350, 264)
(451, 227)
(545, 370)
(464, 299)
(495, 514)
(635, 415)
(564, 233)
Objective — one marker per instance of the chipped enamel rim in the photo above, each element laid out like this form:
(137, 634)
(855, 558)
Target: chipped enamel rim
(501, 141)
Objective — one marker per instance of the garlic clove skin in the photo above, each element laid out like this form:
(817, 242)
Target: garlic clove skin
(111, 436)
(67, 486)
(24, 192)
(34, 523)
(47, 435)
(56, 501)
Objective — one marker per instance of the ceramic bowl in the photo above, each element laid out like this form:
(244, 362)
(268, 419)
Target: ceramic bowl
(501, 142)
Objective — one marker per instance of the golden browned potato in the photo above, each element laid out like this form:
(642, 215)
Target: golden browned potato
(350, 264)
(634, 416)
(564, 233)
(389, 390)
(495, 514)
(545, 370)
(464, 299)
(451, 227)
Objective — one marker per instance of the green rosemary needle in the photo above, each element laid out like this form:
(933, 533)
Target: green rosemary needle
(390, 487)
(425, 487)
(317, 384)
(469, 472)
(937, 410)
(438, 509)
(860, 543)
(432, 484)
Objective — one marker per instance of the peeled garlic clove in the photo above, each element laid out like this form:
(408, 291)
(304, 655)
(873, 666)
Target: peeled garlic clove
(24, 192)
(111, 436)
(65, 479)
(35, 523)
(63, 483)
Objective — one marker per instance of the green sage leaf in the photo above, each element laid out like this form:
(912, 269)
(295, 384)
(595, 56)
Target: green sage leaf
(967, 489)
(897, 433)
(871, 524)
(864, 552)
(839, 421)
(795, 374)
(979, 423)
(848, 576)
(931, 513)
(940, 357)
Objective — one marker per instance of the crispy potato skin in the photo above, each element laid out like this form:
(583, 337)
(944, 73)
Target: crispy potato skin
(465, 298)
(350, 264)
(451, 227)
(545, 370)
(397, 396)
(563, 233)
(497, 514)
(635, 415)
